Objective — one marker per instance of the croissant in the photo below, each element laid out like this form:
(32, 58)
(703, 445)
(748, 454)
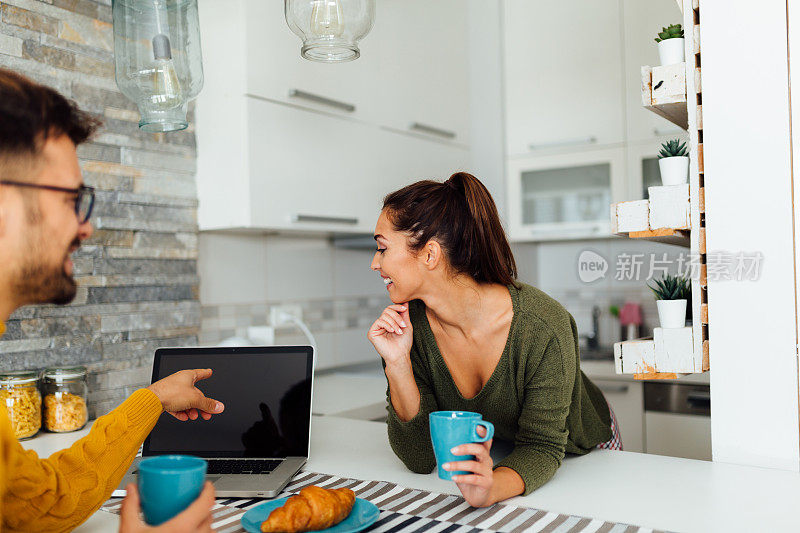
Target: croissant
(313, 509)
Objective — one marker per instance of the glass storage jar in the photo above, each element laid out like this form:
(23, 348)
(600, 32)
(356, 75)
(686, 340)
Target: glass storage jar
(19, 394)
(65, 398)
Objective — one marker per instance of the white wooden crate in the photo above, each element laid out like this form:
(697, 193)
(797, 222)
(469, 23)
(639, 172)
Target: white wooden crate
(669, 84)
(669, 206)
(674, 350)
(668, 351)
(664, 92)
(633, 216)
(635, 356)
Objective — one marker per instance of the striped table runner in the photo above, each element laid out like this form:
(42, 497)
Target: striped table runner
(406, 510)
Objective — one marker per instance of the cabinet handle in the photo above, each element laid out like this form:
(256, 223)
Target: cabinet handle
(565, 142)
(330, 102)
(592, 228)
(324, 219)
(699, 399)
(424, 128)
(658, 132)
(617, 388)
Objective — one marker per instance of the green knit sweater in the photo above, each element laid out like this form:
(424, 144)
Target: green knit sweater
(537, 398)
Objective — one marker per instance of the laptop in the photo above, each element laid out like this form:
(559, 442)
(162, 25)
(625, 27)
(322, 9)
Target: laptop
(262, 439)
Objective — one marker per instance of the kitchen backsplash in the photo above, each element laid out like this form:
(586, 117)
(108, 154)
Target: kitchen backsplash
(339, 326)
(138, 273)
(630, 266)
(243, 276)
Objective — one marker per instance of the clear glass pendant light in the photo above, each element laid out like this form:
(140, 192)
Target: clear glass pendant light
(158, 60)
(330, 29)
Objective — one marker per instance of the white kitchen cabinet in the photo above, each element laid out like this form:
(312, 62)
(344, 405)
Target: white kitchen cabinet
(678, 419)
(424, 67)
(412, 74)
(564, 196)
(271, 162)
(626, 398)
(310, 171)
(641, 23)
(563, 74)
(678, 435)
(276, 71)
(303, 176)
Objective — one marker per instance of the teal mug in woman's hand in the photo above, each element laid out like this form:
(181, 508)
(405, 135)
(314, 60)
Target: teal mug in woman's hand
(454, 428)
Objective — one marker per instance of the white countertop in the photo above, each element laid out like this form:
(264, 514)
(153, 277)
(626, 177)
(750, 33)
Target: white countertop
(359, 396)
(647, 490)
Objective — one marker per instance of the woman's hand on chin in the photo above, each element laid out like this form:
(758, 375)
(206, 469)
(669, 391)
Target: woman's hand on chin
(392, 335)
(477, 486)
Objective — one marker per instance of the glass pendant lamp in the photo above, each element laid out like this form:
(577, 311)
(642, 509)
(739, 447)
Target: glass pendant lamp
(157, 58)
(330, 29)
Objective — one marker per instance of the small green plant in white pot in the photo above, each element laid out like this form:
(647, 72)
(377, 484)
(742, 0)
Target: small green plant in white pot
(673, 162)
(671, 294)
(671, 44)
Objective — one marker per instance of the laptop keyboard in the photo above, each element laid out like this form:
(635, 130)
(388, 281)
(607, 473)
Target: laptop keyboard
(240, 466)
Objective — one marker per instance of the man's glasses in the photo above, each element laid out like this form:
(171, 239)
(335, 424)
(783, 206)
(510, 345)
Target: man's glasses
(84, 196)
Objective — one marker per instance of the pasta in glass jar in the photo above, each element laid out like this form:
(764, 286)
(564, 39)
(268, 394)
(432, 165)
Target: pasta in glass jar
(65, 399)
(19, 394)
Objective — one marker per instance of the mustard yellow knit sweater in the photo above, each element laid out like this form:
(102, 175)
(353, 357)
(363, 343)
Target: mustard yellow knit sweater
(62, 491)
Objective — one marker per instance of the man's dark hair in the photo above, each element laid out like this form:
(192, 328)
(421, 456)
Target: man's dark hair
(30, 113)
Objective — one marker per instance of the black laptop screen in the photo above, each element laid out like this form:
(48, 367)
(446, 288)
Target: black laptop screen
(267, 397)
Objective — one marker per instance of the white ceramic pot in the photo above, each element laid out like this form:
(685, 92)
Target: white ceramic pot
(671, 313)
(671, 51)
(674, 170)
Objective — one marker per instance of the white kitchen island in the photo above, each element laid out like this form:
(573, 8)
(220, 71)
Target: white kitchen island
(647, 490)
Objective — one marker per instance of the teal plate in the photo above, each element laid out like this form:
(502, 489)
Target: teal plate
(363, 515)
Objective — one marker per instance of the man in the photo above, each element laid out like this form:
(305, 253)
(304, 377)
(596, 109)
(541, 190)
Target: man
(44, 216)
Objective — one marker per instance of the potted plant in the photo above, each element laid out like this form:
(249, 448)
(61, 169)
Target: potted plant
(670, 44)
(673, 162)
(671, 292)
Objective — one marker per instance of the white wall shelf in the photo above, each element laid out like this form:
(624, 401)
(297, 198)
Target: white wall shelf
(675, 237)
(664, 217)
(664, 92)
(668, 354)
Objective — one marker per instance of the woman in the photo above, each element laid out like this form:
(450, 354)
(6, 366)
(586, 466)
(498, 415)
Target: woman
(464, 335)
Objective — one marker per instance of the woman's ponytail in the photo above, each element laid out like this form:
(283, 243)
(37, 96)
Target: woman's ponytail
(462, 217)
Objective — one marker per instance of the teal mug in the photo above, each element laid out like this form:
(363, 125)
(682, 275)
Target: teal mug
(168, 484)
(453, 428)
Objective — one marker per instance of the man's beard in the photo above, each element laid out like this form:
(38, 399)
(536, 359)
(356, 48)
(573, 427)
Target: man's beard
(43, 284)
